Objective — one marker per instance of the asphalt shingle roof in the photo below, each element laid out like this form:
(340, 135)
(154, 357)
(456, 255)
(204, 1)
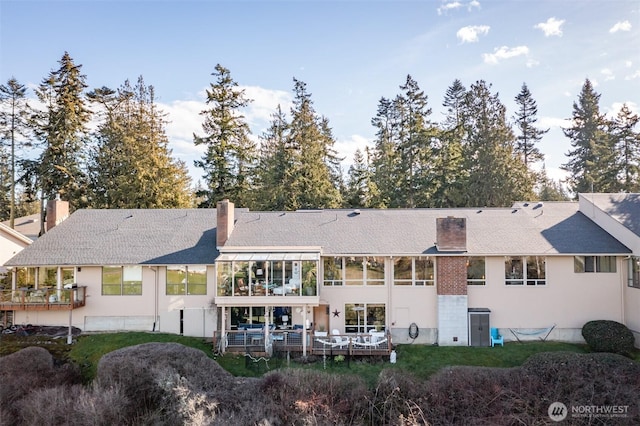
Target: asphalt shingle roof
(126, 237)
(188, 236)
(625, 208)
(525, 229)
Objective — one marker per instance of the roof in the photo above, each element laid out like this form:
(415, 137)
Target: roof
(188, 236)
(14, 234)
(624, 208)
(29, 226)
(525, 229)
(126, 237)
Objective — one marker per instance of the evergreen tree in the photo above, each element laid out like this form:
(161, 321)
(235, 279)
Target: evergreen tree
(15, 131)
(628, 146)
(131, 165)
(360, 191)
(592, 160)
(549, 189)
(384, 157)
(454, 102)
(530, 135)
(230, 154)
(313, 179)
(63, 127)
(276, 162)
(497, 176)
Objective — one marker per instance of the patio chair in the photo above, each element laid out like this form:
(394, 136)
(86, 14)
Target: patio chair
(339, 340)
(496, 338)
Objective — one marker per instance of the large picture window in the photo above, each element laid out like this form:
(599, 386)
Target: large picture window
(594, 264)
(417, 271)
(476, 272)
(354, 270)
(364, 317)
(187, 280)
(122, 280)
(529, 270)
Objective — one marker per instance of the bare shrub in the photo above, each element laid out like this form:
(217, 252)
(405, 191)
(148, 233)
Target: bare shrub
(312, 397)
(73, 405)
(146, 375)
(28, 370)
(398, 399)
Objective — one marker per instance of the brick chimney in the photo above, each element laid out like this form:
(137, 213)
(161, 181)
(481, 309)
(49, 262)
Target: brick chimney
(451, 234)
(57, 211)
(224, 221)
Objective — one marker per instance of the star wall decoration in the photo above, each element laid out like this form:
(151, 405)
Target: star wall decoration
(336, 313)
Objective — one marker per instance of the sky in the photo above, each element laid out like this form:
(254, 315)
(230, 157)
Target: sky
(349, 53)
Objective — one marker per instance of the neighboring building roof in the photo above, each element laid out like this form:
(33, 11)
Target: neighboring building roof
(15, 234)
(126, 237)
(624, 208)
(525, 229)
(29, 226)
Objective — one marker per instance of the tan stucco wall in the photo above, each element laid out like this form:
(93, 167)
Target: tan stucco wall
(568, 300)
(632, 311)
(9, 247)
(111, 313)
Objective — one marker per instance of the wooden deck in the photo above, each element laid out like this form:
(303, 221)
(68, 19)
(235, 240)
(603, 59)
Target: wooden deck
(253, 341)
(49, 299)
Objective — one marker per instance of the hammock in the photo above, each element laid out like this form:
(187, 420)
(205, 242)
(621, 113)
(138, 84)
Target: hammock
(547, 330)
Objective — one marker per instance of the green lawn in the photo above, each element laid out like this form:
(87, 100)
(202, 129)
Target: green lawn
(420, 360)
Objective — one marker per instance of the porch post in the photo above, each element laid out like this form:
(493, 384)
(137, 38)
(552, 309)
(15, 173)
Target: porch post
(304, 330)
(223, 331)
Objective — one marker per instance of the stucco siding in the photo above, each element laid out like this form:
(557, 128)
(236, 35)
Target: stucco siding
(632, 311)
(568, 300)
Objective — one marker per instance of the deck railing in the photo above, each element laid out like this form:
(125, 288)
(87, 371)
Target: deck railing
(43, 299)
(256, 340)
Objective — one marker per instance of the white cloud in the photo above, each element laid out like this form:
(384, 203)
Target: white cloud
(554, 122)
(453, 5)
(532, 63)
(633, 76)
(504, 52)
(608, 74)
(551, 27)
(346, 148)
(615, 108)
(628, 64)
(265, 102)
(620, 26)
(470, 34)
(449, 6)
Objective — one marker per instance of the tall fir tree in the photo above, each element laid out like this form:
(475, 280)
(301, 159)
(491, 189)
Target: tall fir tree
(230, 156)
(15, 134)
(497, 176)
(313, 176)
(62, 127)
(384, 157)
(591, 164)
(360, 190)
(274, 173)
(131, 165)
(627, 137)
(529, 135)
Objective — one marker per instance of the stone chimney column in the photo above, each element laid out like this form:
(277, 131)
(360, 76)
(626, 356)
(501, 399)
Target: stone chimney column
(225, 219)
(57, 211)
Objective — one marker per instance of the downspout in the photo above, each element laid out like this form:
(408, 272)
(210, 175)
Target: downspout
(155, 296)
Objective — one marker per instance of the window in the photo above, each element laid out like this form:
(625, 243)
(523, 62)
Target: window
(476, 274)
(355, 270)
(528, 269)
(594, 264)
(26, 277)
(189, 280)
(332, 271)
(121, 280)
(418, 271)
(634, 272)
(364, 317)
(47, 276)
